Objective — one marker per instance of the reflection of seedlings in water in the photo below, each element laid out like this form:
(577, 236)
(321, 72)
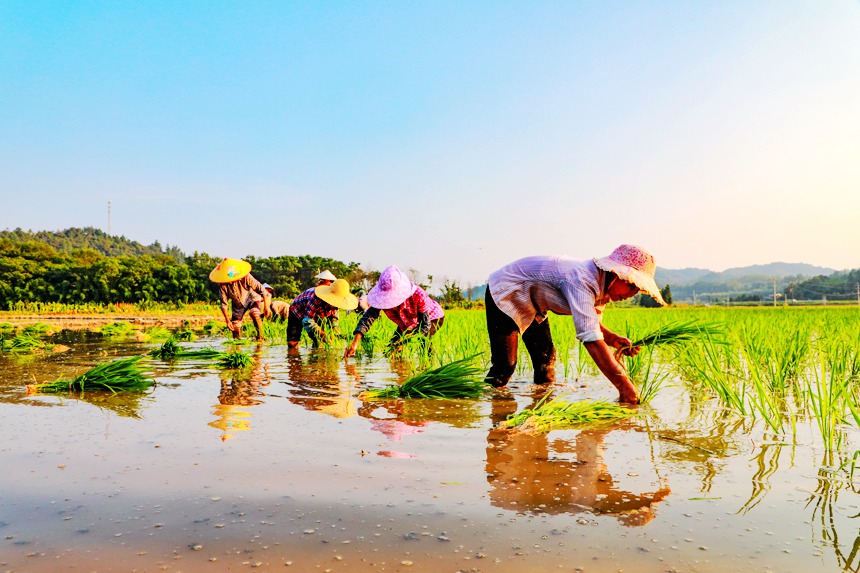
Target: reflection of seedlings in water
(827, 517)
(767, 462)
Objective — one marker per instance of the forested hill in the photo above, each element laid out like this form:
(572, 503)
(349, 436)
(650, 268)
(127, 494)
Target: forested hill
(75, 238)
(90, 266)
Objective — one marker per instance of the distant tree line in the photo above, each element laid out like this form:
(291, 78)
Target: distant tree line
(86, 265)
(838, 286)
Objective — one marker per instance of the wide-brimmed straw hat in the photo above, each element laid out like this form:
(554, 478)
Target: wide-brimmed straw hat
(326, 276)
(635, 265)
(268, 287)
(393, 288)
(229, 270)
(337, 294)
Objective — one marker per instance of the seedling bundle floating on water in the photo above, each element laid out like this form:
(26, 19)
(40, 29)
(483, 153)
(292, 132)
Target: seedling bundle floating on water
(24, 343)
(170, 350)
(459, 379)
(563, 413)
(124, 375)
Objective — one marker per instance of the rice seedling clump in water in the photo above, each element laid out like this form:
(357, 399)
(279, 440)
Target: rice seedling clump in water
(459, 379)
(234, 359)
(124, 375)
(170, 350)
(563, 413)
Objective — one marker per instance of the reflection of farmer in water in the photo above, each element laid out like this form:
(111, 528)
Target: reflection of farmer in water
(315, 383)
(239, 388)
(528, 473)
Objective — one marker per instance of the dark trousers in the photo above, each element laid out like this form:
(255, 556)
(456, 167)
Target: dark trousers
(504, 338)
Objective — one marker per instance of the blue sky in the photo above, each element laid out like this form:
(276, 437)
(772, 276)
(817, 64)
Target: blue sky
(449, 137)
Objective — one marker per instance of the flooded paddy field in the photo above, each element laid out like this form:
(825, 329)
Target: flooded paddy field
(280, 466)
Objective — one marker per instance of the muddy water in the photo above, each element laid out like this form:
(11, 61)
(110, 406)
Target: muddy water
(282, 466)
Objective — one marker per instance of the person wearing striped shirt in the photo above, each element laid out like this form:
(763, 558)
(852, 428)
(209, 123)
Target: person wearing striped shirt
(520, 294)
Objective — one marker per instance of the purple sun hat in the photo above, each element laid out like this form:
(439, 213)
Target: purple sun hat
(393, 288)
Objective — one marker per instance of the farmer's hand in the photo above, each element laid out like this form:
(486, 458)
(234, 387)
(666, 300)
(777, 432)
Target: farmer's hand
(625, 346)
(230, 326)
(350, 350)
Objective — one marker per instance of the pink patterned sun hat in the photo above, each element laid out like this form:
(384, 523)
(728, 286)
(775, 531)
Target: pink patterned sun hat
(393, 288)
(635, 265)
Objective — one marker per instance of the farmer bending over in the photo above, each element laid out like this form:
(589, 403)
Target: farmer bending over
(405, 303)
(520, 294)
(315, 312)
(239, 288)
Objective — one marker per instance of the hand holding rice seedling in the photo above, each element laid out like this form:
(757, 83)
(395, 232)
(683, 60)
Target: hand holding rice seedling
(564, 413)
(674, 333)
(459, 379)
(124, 375)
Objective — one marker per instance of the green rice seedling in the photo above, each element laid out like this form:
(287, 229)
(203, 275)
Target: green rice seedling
(123, 375)
(159, 333)
(36, 329)
(24, 343)
(708, 364)
(646, 375)
(561, 412)
(459, 379)
(829, 391)
(116, 329)
(678, 332)
(184, 335)
(234, 359)
(170, 350)
(214, 327)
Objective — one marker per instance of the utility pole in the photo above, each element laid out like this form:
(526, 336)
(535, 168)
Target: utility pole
(774, 291)
(858, 293)
(694, 297)
(108, 218)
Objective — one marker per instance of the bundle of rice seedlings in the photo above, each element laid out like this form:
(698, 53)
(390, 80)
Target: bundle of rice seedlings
(184, 335)
(159, 333)
(564, 413)
(36, 329)
(123, 375)
(234, 359)
(24, 343)
(170, 350)
(459, 379)
(674, 333)
(116, 329)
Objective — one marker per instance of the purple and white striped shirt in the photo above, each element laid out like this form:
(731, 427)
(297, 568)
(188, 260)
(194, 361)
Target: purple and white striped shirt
(528, 288)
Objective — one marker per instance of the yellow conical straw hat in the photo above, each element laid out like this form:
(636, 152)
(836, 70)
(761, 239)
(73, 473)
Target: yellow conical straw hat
(229, 270)
(337, 294)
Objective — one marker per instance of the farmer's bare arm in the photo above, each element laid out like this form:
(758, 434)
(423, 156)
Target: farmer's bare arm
(602, 356)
